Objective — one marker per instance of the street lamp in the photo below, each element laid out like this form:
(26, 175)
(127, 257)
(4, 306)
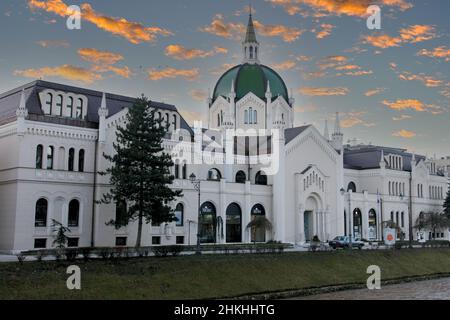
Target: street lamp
(349, 219)
(197, 186)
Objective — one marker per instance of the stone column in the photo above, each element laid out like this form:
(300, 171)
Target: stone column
(301, 223)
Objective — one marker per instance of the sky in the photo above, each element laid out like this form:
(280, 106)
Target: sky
(391, 86)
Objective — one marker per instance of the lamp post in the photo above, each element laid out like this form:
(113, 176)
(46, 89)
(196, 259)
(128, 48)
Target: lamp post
(197, 186)
(349, 219)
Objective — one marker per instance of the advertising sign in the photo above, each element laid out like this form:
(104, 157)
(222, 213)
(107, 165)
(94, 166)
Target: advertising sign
(390, 235)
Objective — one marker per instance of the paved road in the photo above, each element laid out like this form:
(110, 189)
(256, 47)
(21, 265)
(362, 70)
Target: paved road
(438, 289)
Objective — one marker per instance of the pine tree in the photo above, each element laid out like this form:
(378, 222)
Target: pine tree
(447, 204)
(140, 171)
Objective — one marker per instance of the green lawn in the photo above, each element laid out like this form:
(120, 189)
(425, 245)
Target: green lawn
(213, 276)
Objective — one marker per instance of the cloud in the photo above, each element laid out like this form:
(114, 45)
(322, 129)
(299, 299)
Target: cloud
(285, 65)
(220, 70)
(134, 32)
(356, 73)
(199, 95)
(401, 117)
(439, 53)
(325, 31)
(348, 67)
(306, 108)
(373, 92)
(412, 34)
(104, 61)
(412, 104)
(321, 8)
(331, 62)
(53, 43)
(303, 58)
(192, 116)
(353, 119)
(179, 52)
(236, 31)
(405, 134)
(66, 71)
(428, 81)
(324, 91)
(172, 73)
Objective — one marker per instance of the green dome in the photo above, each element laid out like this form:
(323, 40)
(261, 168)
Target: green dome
(251, 78)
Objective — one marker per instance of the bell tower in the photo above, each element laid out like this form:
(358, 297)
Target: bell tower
(250, 46)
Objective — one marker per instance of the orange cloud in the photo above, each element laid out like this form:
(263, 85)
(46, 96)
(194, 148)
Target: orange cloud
(320, 8)
(53, 43)
(348, 67)
(325, 31)
(417, 33)
(199, 95)
(236, 31)
(218, 71)
(172, 73)
(428, 81)
(285, 65)
(401, 118)
(405, 134)
(99, 57)
(66, 71)
(179, 52)
(356, 73)
(303, 58)
(355, 119)
(383, 41)
(331, 62)
(440, 52)
(373, 92)
(324, 91)
(132, 31)
(412, 104)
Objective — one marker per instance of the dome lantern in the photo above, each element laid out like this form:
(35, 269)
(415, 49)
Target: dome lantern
(250, 46)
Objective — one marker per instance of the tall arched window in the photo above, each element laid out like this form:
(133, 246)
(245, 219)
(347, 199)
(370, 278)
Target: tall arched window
(255, 117)
(352, 187)
(246, 120)
(357, 223)
(74, 214)
(373, 232)
(50, 157)
(258, 232)
(167, 121)
(71, 160)
(207, 223)
(39, 155)
(81, 160)
(251, 52)
(402, 219)
(174, 123)
(241, 177)
(40, 213)
(49, 103)
(184, 171)
(59, 104)
(121, 212)
(261, 179)
(69, 107)
(179, 215)
(214, 175)
(218, 119)
(234, 223)
(79, 114)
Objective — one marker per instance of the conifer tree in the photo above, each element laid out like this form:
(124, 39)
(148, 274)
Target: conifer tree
(140, 171)
(447, 204)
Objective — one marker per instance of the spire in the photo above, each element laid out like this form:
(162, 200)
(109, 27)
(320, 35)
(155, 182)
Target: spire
(337, 125)
(103, 111)
(250, 45)
(326, 133)
(250, 36)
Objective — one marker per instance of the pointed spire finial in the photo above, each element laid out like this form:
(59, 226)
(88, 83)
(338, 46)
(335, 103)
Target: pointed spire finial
(326, 133)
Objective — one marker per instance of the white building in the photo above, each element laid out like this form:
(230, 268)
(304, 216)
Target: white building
(53, 137)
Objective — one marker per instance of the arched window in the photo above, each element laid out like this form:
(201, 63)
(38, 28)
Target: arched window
(177, 170)
(373, 233)
(121, 212)
(214, 175)
(174, 123)
(40, 213)
(397, 218)
(357, 223)
(207, 223)
(69, 112)
(234, 223)
(392, 216)
(256, 52)
(255, 117)
(39, 155)
(49, 103)
(81, 160)
(246, 120)
(258, 232)
(403, 219)
(79, 112)
(352, 187)
(184, 171)
(59, 104)
(218, 119)
(71, 160)
(241, 177)
(167, 121)
(261, 179)
(50, 157)
(74, 214)
(251, 52)
(179, 215)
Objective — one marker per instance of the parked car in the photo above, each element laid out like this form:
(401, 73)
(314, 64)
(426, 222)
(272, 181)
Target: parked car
(344, 242)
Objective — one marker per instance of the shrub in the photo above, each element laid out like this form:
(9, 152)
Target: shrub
(40, 255)
(21, 257)
(104, 253)
(71, 254)
(86, 252)
(161, 251)
(175, 250)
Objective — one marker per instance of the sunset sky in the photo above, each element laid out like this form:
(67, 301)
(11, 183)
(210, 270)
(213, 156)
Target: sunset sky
(392, 86)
